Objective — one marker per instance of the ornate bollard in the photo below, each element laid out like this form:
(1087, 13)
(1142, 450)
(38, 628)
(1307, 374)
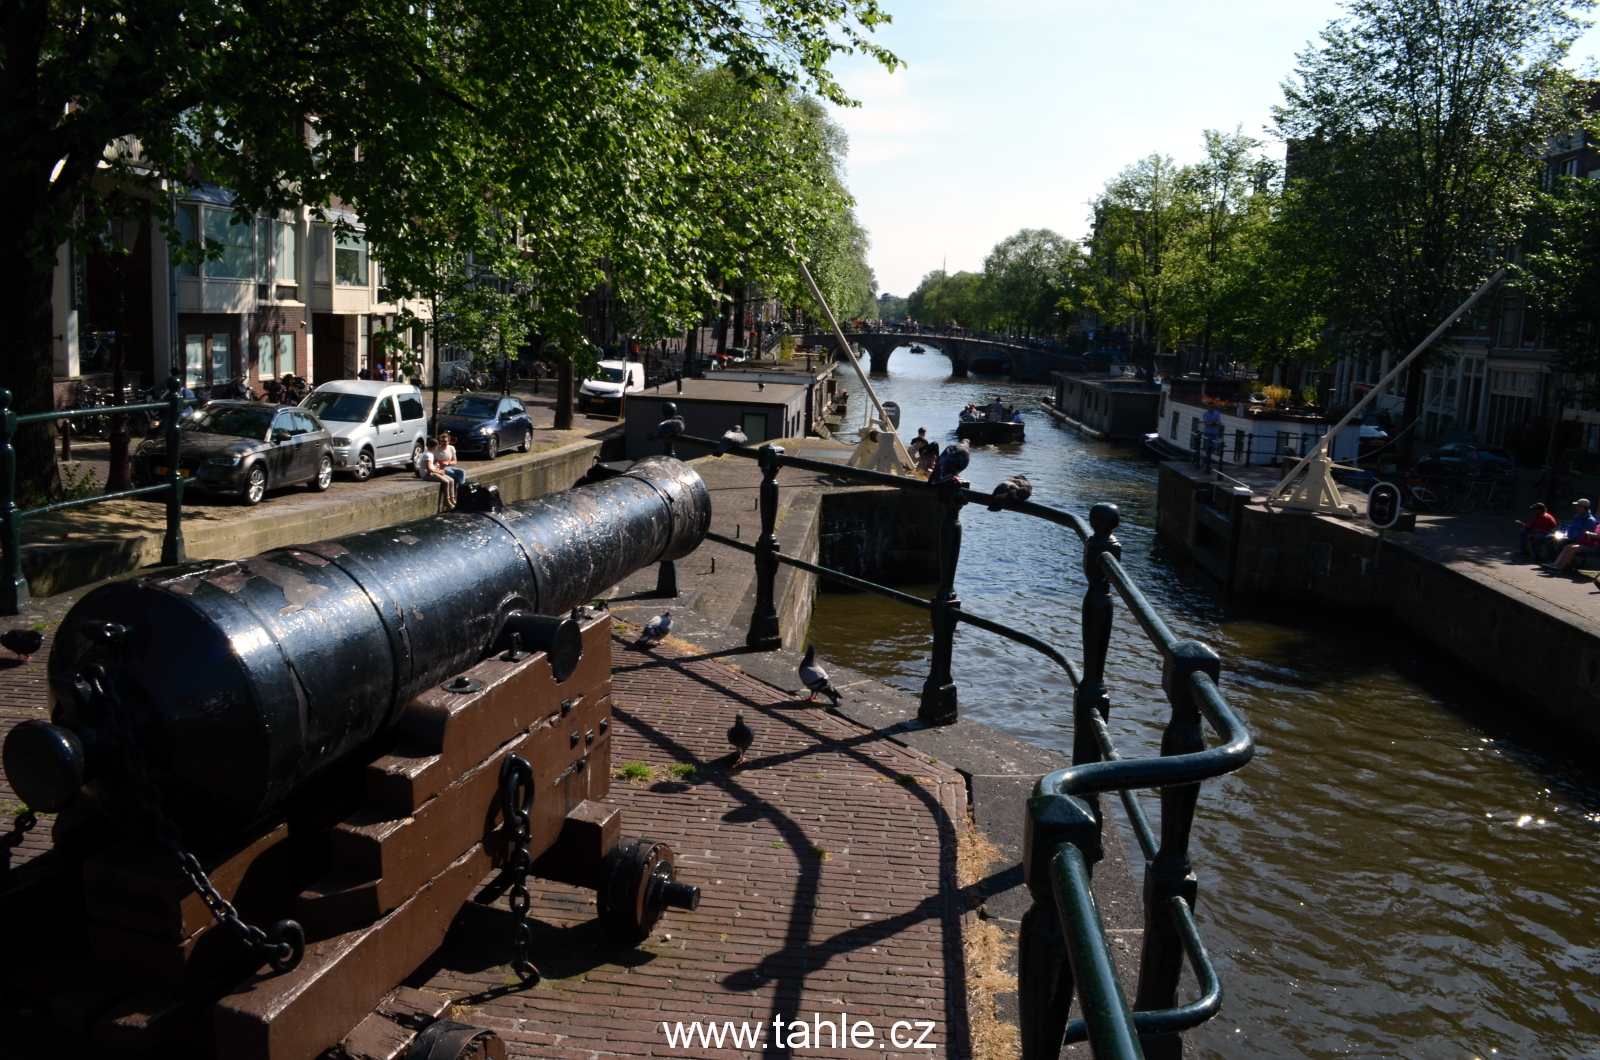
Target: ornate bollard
(1169, 874)
(1091, 694)
(940, 704)
(14, 586)
(667, 572)
(172, 547)
(764, 634)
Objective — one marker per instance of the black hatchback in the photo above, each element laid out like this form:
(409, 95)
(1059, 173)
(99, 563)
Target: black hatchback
(244, 448)
(486, 424)
(1464, 458)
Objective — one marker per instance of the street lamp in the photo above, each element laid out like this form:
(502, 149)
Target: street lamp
(119, 475)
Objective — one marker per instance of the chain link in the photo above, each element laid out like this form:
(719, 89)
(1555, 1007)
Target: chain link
(24, 823)
(285, 947)
(516, 778)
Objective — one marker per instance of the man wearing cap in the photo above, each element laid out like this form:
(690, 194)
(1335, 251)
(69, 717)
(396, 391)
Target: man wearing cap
(1582, 523)
(1537, 531)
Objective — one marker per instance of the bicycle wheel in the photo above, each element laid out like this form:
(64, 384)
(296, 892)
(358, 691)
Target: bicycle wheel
(1436, 498)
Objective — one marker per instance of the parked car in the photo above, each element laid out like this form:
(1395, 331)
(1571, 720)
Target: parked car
(374, 424)
(243, 447)
(1464, 458)
(602, 396)
(1370, 437)
(486, 424)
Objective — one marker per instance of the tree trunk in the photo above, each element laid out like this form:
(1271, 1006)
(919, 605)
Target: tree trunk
(564, 395)
(738, 318)
(26, 356)
(722, 326)
(1406, 451)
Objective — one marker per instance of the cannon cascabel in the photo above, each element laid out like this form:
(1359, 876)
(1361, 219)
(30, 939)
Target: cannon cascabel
(244, 679)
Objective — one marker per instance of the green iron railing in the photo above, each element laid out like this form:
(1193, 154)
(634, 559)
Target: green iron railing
(14, 593)
(1064, 952)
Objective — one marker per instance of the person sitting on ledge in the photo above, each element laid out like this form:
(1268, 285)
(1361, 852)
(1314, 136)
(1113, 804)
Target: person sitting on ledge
(1587, 545)
(1535, 531)
(1584, 521)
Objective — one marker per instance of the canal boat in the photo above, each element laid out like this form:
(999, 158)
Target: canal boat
(917, 349)
(990, 432)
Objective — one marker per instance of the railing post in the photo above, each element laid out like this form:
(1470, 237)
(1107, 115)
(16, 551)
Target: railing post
(1044, 978)
(1091, 695)
(667, 570)
(14, 586)
(764, 634)
(172, 547)
(939, 700)
(1170, 873)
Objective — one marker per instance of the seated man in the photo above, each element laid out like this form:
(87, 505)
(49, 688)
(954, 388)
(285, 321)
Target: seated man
(1587, 545)
(1584, 521)
(1537, 530)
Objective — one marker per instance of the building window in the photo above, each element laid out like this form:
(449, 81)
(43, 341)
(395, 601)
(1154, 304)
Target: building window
(321, 272)
(286, 365)
(194, 360)
(350, 260)
(189, 232)
(237, 242)
(285, 252)
(219, 359)
(265, 361)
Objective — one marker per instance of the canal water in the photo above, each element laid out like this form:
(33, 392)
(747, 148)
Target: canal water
(1407, 869)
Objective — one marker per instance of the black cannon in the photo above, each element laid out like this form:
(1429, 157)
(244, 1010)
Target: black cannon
(242, 680)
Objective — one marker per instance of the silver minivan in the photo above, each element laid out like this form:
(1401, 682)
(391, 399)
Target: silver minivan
(374, 424)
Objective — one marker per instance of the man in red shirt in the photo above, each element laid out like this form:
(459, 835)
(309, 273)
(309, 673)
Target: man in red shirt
(1536, 530)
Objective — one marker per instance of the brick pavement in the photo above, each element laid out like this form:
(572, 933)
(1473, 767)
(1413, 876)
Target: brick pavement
(826, 863)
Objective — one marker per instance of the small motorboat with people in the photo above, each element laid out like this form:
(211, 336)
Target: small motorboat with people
(917, 349)
(992, 424)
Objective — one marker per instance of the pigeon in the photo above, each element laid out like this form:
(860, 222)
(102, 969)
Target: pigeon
(23, 641)
(815, 678)
(760, 385)
(741, 736)
(668, 428)
(731, 437)
(655, 630)
(951, 463)
(1013, 490)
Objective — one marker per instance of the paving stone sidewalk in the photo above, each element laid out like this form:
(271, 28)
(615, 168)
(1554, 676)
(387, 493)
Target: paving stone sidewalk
(827, 865)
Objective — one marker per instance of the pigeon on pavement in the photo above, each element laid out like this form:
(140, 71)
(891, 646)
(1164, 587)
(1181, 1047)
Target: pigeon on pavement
(23, 641)
(951, 463)
(1011, 491)
(815, 678)
(668, 428)
(731, 437)
(741, 736)
(655, 630)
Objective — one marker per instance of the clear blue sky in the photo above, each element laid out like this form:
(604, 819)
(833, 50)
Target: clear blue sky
(1013, 113)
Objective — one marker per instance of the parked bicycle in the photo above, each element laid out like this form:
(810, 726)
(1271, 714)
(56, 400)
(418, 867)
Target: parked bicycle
(1420, 495)
(1485, 489)
(465, 379)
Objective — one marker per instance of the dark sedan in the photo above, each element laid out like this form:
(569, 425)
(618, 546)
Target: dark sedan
(1464, 458)
(486, 424)
(244, 448)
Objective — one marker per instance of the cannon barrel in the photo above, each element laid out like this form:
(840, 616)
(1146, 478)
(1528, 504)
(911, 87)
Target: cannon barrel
(241, 680)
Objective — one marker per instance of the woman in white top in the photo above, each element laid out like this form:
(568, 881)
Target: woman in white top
(447, 460)
(428, 466)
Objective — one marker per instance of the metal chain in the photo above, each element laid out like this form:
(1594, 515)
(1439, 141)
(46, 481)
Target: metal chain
(516, 776)
(285, 947)
(25, 821)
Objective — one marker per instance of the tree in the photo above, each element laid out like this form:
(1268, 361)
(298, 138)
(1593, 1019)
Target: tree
(949, 298)
(1025, 277)
(1414, 130)
(1138, 222)
(1218, 192)
(1561, 273)
(418, 116)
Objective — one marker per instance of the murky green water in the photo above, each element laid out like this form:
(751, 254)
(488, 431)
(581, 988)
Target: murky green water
(1407, 869)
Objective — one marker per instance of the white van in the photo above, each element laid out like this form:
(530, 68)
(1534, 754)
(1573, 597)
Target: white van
(374, 424)
(603, 396)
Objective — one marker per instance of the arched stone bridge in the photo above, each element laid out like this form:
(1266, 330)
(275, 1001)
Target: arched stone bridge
(1021, 362)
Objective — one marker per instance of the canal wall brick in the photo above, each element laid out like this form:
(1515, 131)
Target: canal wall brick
(1547, 657)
